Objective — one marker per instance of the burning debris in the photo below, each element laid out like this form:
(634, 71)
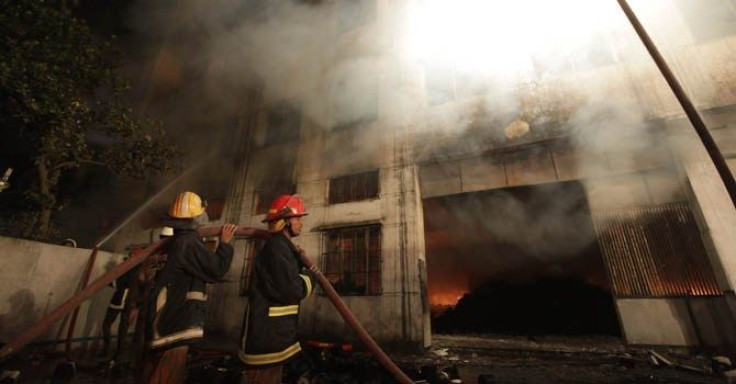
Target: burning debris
(568, 306)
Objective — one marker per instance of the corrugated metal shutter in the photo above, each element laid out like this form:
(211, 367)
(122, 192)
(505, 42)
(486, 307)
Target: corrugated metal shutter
(654, 251)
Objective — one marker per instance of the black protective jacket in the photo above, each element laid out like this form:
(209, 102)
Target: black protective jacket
(278, 284)
(176, 307)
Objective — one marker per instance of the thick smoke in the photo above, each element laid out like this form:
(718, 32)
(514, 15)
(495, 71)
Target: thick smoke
(288, 49)
(351, 62)
(344, 62)
(514, 233)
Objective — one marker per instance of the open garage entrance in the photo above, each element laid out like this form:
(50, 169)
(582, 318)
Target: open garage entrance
(517, 261)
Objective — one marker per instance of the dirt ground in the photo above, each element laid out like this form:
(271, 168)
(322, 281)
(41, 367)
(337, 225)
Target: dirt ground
(510, 360)
(481, 359)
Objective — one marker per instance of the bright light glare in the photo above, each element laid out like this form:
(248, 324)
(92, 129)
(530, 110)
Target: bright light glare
(500, 35)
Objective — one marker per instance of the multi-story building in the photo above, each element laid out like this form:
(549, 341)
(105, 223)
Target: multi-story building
(431, 164)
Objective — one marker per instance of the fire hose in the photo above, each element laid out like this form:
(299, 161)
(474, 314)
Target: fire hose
(75, 301)
(139, 256)
(353, 322)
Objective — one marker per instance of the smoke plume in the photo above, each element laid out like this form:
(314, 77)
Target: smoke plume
(351, 64)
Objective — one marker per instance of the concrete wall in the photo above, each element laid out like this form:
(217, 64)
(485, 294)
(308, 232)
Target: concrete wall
(713, 209)
(544, 164)
(36, 277)
(677, 321)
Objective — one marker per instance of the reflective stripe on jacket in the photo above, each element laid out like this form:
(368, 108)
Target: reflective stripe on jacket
(176, 307)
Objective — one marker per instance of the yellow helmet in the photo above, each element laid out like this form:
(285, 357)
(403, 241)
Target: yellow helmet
(186, 206)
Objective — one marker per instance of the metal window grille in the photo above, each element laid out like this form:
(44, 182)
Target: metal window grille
(655, 251)
(360, 186)
(251, 250)
(352, 260)
(284, 121)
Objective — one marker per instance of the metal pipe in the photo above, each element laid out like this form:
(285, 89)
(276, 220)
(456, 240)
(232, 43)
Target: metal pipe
(693, 115)
(75, 301)
(353, 322)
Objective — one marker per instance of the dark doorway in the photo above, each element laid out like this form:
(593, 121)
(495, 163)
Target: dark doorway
(520, 260)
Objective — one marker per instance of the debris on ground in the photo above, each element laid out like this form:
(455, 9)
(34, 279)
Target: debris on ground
(730, 376)
(550, 360)
(720, 364)
(658, 359)
(481, 359)
(698, 364)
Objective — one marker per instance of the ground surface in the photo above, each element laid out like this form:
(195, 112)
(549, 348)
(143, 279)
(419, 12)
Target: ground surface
(552, 360)
(478, 359)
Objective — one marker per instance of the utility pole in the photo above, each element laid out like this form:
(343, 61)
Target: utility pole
(692, 114)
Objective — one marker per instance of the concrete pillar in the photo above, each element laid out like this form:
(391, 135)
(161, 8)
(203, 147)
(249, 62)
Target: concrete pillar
(711, 205)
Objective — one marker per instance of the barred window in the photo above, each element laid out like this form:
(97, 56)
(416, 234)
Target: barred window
(352, 259)
(356, 187)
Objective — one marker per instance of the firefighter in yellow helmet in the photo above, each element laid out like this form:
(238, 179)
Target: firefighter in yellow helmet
(279, 283)
(176, 308)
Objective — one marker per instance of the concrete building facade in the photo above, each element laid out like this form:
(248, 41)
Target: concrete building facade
(605, 119)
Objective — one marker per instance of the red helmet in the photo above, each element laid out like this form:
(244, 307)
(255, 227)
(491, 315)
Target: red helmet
(286, 206)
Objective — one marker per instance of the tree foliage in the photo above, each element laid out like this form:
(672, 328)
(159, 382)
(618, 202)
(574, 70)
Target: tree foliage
(63, 103)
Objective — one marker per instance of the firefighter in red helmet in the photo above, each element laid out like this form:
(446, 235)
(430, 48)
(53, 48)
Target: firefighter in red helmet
(279, 283)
